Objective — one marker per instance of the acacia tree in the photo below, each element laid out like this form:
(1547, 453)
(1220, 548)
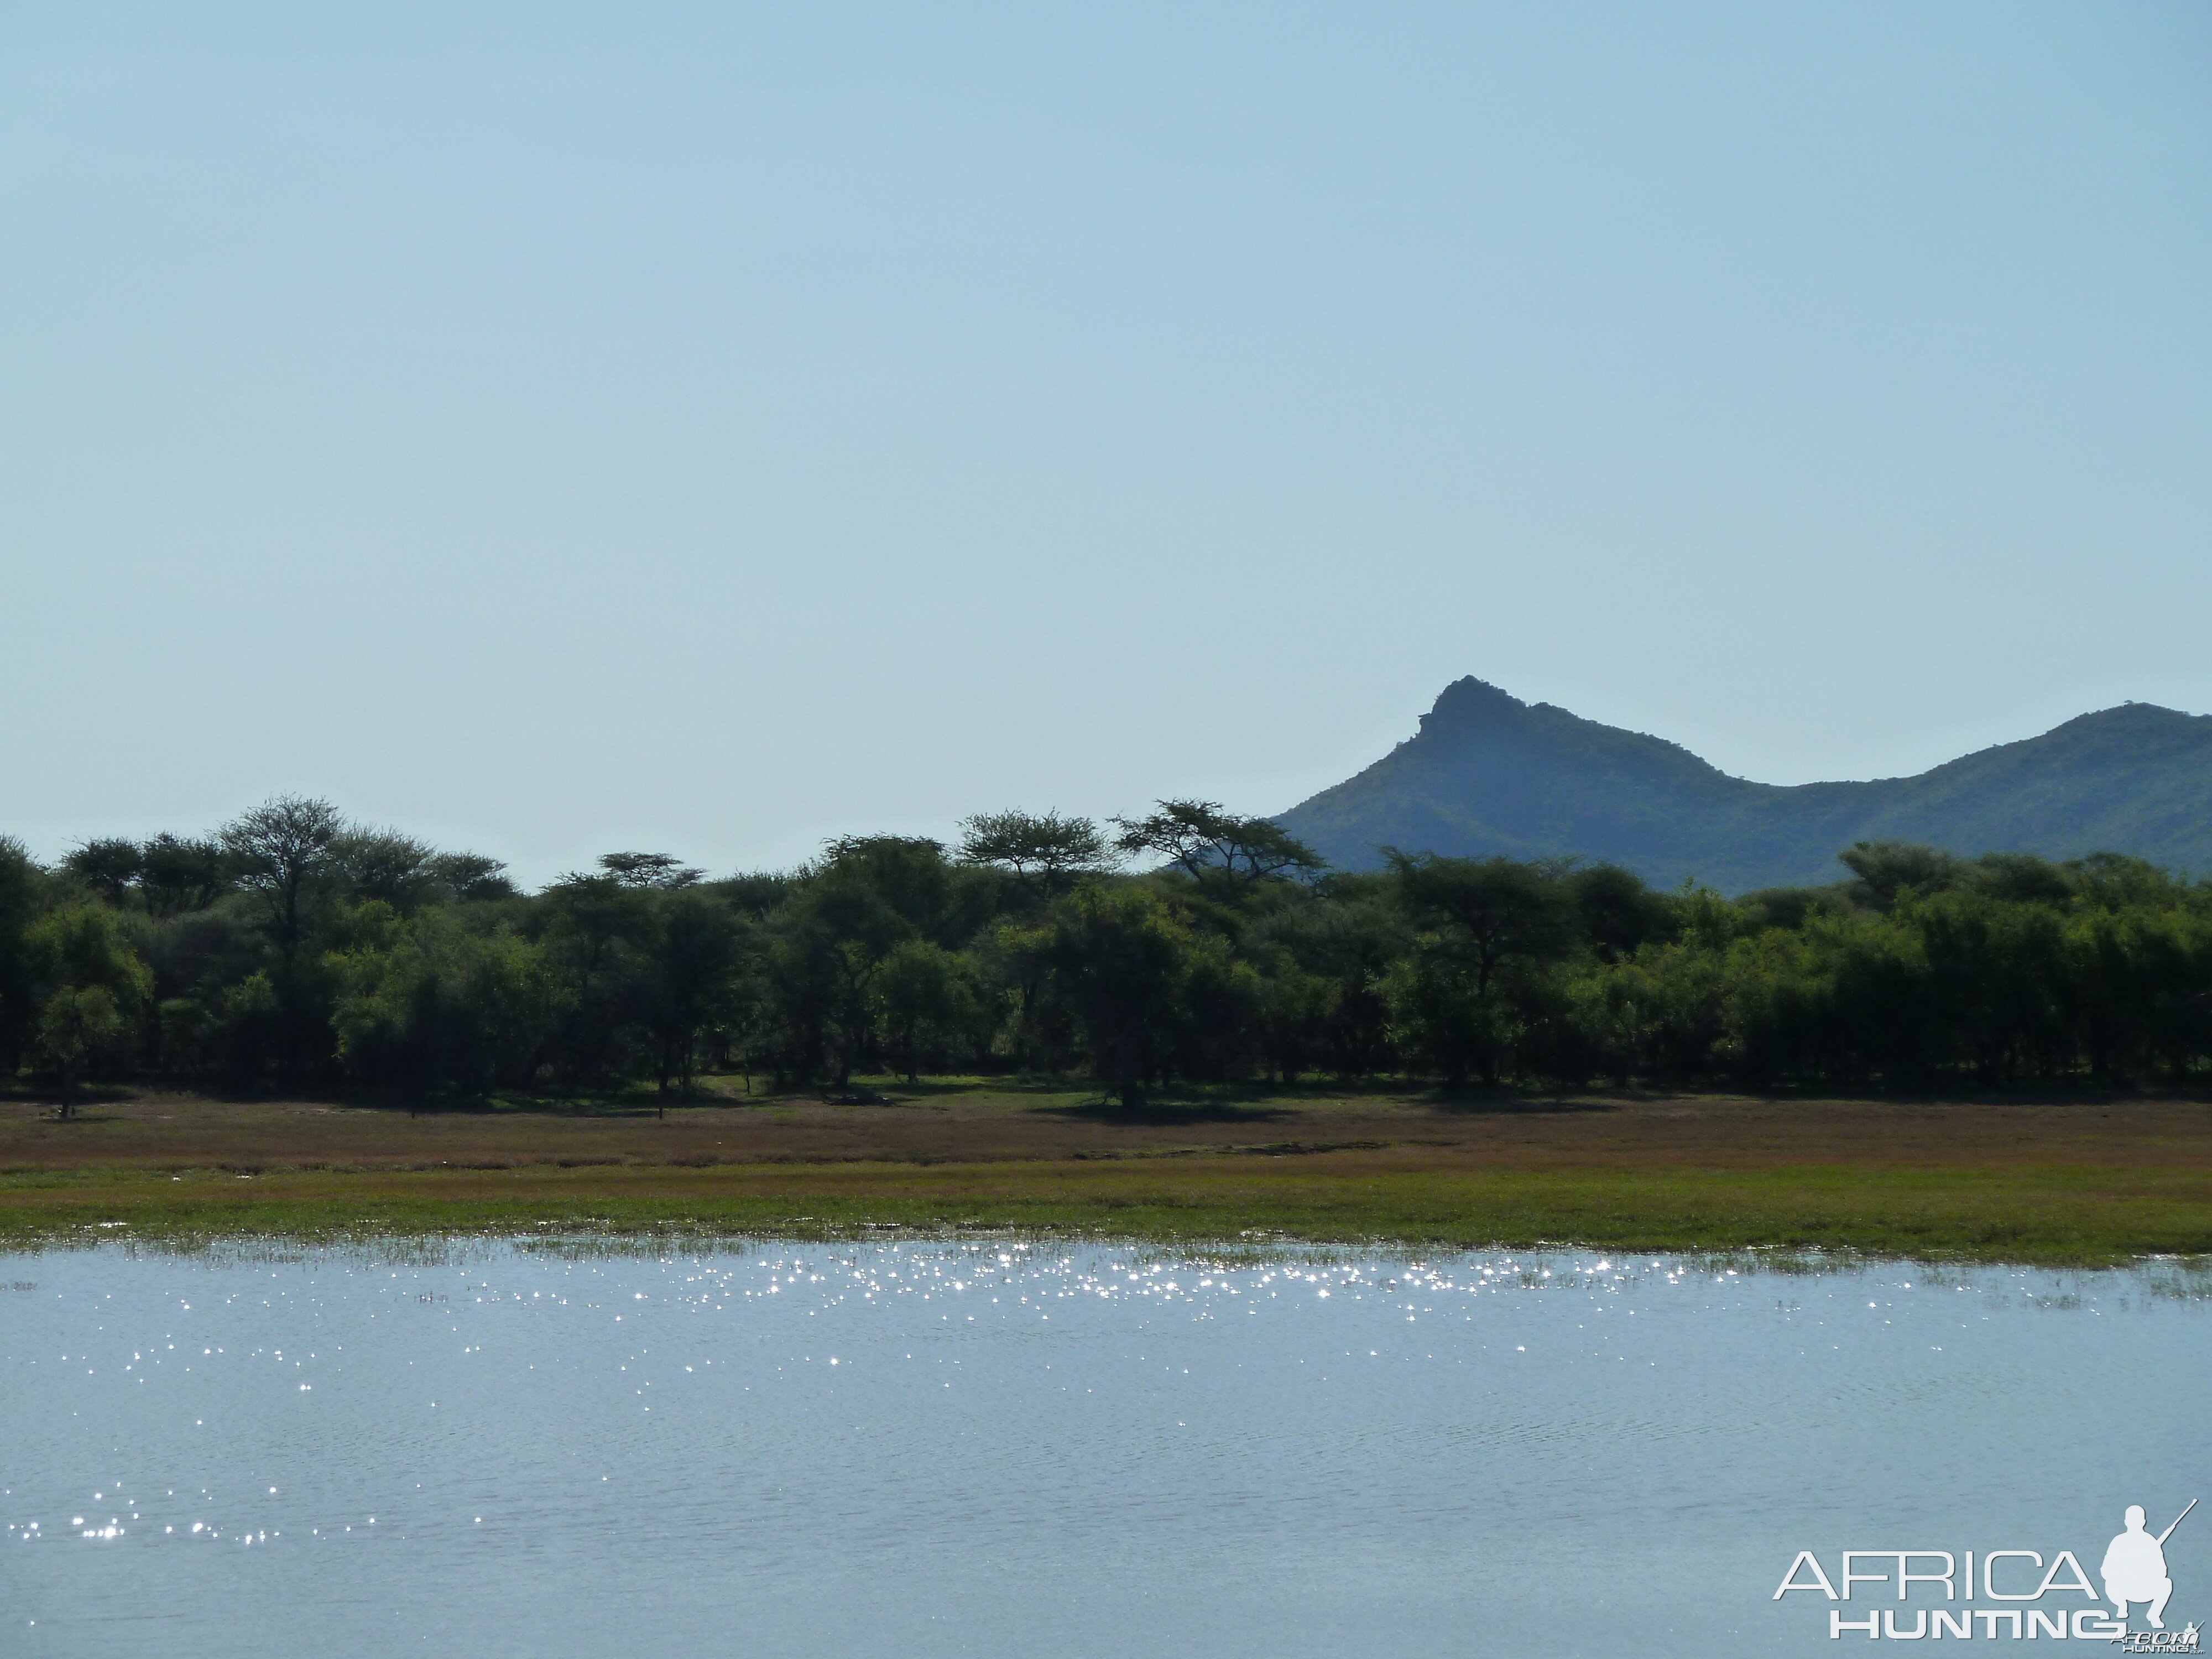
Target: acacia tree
(435, 1006)
(470, 878)
(1495, 909)
(587, 922)
(20, 882)
(1044, 852)
(179, 873)
(386, 865)
(1886, 868)
(1208, 842)
(922, 1002)
(95, 992)
(869, 895)
(109, 865)
(686, 978)
(75, 1026)
(1486, 915)
(283, 853)
(649, 869)
(1122, 959)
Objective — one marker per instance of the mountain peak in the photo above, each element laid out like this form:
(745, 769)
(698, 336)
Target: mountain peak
(1490, 773)
(1471, 705)
(2145, 715)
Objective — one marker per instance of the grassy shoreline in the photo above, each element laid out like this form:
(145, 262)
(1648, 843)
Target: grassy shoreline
(2044, 1221)
(2079, 1184)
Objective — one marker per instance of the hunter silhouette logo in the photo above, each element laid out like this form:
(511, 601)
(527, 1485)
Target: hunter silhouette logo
(2134, 1567)
(2134, 1571)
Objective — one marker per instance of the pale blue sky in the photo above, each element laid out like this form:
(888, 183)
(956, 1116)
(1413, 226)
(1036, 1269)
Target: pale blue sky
(556, 428)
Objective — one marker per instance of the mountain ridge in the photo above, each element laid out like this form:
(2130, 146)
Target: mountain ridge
(1485, 773)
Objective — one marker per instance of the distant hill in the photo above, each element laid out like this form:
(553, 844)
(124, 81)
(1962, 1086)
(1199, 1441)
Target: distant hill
(1490, 773)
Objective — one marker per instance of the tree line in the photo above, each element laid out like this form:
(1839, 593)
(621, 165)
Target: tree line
(294, 948)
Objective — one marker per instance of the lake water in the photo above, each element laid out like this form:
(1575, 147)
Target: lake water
(978, 1448)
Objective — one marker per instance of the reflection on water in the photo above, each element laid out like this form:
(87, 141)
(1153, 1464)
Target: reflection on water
(991, 1446)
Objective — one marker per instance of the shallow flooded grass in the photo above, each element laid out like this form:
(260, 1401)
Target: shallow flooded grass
(2059, 1216)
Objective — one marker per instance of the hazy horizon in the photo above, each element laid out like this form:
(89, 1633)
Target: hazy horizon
(947, 832)
(553, 431)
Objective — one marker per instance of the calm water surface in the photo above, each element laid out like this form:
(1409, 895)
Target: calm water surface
(917, 1448)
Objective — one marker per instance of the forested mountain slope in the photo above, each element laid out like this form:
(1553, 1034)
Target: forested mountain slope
(1488, 773)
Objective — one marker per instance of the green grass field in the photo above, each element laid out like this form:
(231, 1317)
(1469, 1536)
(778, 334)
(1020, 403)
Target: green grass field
(2083, 1182)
